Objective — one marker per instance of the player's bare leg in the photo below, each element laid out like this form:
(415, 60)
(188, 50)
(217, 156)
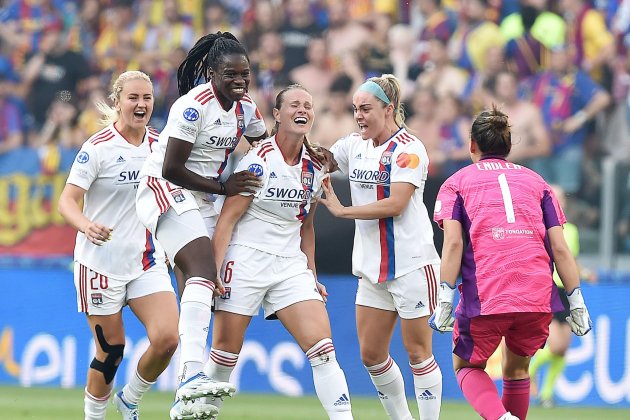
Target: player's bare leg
(557, 345)
(109, 340)
(375, 328)
(158, 313)
(308, 323)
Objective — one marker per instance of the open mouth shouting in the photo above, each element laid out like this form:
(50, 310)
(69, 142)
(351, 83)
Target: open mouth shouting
(302, 121)
(140, 114)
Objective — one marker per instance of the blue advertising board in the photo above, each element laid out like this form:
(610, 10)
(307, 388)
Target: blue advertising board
(45, 342)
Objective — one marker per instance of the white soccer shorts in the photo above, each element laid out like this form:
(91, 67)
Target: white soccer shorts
(412, 295)
(253, 278)
(98, 294)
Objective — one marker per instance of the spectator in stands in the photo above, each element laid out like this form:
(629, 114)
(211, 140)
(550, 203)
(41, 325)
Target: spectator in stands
(172, 33)
(474, 36)
(24, 22)
(316, 75)
(269, 68)
(424, 123)
(568, 99)
(401, 43)
(11, 123)
(525, 55)
(344, 34)
(438, 24)
(336, 121)
(298, 28)
(51, 70)
(530, 138)
(440, 74)
(121, 34)
(58, 132)
(261, 18)
(376, 54)
(452, 153)
(547, 27)
(216, 18)
(476, 94)
(592, 45)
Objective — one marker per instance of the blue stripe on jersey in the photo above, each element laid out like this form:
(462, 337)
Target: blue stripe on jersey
(386, 225)
(148, 260)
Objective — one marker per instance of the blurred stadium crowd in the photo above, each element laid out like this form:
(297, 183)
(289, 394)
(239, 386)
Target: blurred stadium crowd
(559, 68)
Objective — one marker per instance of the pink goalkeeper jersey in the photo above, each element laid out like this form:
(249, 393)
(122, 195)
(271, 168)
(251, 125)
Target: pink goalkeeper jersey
(505, 210)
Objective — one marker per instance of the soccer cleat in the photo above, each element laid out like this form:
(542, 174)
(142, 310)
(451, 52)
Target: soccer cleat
(508, 416)
(128, 411)
(201, 386)
(547, 403)
(189, 410)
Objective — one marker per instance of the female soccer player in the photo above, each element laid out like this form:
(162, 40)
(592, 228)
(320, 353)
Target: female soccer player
(394, 255)
(503, 228)
(180, 180)
(116, 260)
(264, 244)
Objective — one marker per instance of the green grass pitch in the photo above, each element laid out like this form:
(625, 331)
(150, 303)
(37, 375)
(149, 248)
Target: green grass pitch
(57, 404)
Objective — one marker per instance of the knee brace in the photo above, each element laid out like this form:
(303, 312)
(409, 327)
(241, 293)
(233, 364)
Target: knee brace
(114, 356)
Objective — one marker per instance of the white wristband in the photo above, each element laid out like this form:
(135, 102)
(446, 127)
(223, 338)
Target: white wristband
(576, 300)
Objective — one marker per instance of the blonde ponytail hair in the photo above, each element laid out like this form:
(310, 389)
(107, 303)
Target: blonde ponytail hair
(109, 113)
(391, 87)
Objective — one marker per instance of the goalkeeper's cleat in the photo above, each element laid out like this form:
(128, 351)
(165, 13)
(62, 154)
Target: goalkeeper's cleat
(189, 410)
(202, 386)
(128, 411)
(508, 416)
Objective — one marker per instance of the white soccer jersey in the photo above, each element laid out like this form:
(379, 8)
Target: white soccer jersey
(273, 221)
(385, 249)
(108, 168)
(198, 118)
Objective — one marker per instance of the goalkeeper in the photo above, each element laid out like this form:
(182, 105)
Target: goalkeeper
(503, 230)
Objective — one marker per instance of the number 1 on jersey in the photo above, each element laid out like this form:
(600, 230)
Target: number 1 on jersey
(507, 199)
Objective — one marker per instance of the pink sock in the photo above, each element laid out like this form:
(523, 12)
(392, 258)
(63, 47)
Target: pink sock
(516, 397)
(481, 393)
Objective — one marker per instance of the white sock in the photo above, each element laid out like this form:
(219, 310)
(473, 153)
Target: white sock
(330, 382)
(135, 389)
(95, 407)
(219, 367)
(390, 386)
(194, 323)
(427, 381)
